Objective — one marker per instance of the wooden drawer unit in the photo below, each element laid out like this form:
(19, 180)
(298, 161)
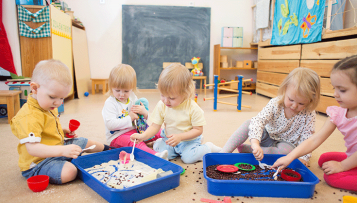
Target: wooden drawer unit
(330, 50)
(278, 66)
(321, 67)
(267, 90)
(281, 52)
(326, 101)
(326, 87)
(270, 77)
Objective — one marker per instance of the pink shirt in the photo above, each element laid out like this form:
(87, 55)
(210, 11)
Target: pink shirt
(347, 126)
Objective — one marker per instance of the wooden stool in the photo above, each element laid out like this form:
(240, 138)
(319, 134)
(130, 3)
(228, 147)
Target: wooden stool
(201, 78)
(12, 99)
(98, 82)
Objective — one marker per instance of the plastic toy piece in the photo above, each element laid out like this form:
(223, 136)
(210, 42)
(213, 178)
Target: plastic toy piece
(225, 200)
(196, 71)
(124, 157)
(239, 92)
(227, 168)
(73, 125)
(86, 94)
(38, 183)
(166, 173)
(183, 172)
(244, 169)
(290, 175)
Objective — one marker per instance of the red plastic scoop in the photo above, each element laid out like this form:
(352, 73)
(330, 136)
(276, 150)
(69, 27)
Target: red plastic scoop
(227, 168)
(73, 125)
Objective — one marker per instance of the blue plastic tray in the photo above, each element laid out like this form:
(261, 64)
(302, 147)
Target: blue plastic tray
(134, 193)
(256, 188)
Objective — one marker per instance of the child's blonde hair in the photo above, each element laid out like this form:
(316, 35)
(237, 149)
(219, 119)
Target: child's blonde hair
(48, 70)
(306, 82)
(349, 65)
(122, 76)
(176, 78)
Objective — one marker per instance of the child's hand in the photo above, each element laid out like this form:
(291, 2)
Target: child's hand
(133, 116)
(72, 134)
(257, 152)
(139, 109)
(282, 162)
(332, 167)
(71, 151)
(137, 136)
(173, 140)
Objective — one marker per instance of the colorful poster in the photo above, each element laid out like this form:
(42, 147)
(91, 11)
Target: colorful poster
(297, 22)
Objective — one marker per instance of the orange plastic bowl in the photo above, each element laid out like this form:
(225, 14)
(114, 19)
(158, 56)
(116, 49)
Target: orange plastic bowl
(290, 175)
(38, 183)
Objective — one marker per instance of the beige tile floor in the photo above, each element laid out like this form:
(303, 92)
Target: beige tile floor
(220, 125)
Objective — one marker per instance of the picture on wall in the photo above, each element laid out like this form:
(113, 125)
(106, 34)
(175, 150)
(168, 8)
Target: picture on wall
(297, 22)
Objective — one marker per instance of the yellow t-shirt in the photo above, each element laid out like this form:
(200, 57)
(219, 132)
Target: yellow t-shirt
(33, 124)
(179, 119)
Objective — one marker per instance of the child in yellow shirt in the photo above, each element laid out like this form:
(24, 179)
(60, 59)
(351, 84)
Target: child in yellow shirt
(42, 148)
(182, 117)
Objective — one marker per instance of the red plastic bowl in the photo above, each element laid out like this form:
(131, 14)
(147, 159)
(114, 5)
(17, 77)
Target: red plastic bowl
(286, 174)
(38, 183)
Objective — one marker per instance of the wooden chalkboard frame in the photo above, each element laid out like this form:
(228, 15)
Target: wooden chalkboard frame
(152, 35)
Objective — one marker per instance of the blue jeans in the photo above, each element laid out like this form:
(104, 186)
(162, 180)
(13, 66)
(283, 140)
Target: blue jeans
(52, 166)
(190, 151)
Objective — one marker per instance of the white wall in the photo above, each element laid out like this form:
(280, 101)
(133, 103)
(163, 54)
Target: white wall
(103, 24)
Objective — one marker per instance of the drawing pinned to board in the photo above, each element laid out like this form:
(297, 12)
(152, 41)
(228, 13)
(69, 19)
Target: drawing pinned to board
(306, 25)
(310, 4)
(308, 21)
(285, 9)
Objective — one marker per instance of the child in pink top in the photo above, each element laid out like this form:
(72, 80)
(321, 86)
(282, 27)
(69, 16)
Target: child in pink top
(340, 168)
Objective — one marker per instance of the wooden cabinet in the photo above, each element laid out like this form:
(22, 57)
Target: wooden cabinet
(57, 46)
(276, 62)
(217, 63)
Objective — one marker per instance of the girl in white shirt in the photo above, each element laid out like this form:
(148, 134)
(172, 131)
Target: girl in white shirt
(120, 111)
(284, 122)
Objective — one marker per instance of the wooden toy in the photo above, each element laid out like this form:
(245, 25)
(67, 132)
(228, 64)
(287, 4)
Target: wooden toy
(238, 95)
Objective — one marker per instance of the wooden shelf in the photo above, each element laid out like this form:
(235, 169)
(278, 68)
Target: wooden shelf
(239, 48)
(234, 68)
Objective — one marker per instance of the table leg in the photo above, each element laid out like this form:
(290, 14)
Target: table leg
(205, 87)
(10, 108)
(93, 88)
(104, 87)
(201, 85)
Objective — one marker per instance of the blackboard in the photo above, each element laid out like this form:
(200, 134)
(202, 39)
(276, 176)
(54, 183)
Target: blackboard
(152, 35)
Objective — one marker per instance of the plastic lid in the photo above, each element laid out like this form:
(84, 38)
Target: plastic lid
(227, 168)
(245, 169)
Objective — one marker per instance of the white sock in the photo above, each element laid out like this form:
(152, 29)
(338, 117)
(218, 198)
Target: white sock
(164, 155)
(213, 147)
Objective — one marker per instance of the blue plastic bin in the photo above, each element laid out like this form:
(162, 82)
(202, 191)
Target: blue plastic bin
(256, 188)
(134, 193)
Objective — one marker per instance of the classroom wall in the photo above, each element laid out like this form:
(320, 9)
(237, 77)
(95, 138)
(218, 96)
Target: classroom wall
(104, 26)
